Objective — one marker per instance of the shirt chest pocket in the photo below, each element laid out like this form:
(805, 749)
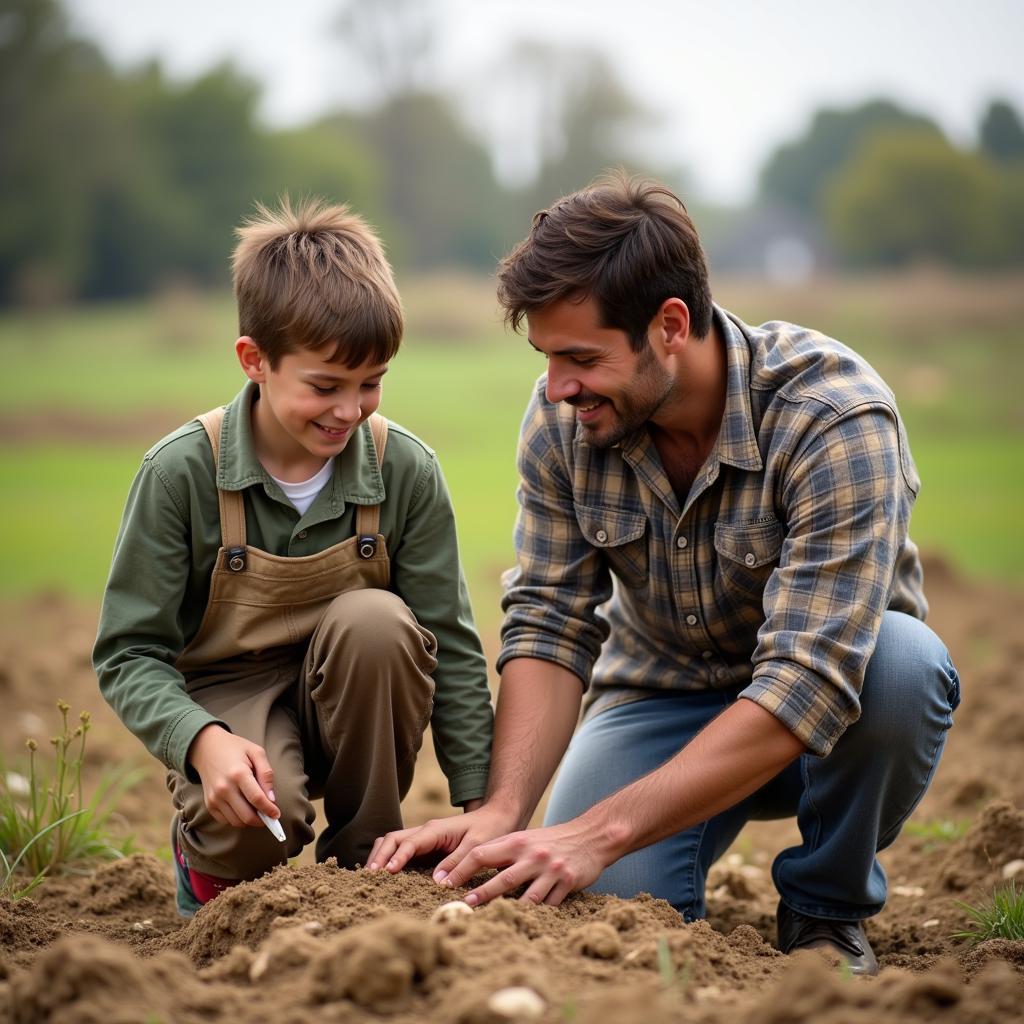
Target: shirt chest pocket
(748, 553)
(622, 539)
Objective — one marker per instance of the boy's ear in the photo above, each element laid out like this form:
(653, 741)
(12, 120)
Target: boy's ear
(253, 362)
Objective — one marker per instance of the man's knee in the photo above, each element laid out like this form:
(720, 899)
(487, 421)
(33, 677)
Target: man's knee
(910, 683)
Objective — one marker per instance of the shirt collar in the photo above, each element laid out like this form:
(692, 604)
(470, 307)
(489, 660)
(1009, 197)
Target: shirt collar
(737, 440)
(357, 476)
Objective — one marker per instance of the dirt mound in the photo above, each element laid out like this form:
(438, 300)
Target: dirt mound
(994, 840)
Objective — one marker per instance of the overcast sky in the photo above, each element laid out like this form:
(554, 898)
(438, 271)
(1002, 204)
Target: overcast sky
(729, 79)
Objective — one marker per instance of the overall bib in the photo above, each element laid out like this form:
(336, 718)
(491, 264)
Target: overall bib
(314, 659)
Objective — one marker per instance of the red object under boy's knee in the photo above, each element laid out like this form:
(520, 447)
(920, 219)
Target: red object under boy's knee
(205, 887)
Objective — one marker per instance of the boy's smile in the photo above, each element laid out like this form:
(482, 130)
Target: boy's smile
(308, 407)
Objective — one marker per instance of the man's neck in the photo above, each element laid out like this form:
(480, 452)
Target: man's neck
(692, 419)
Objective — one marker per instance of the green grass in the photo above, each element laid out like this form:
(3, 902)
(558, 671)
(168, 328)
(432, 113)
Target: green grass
(939, 830)
(135, 366)
(1002, 917)
(46, 824)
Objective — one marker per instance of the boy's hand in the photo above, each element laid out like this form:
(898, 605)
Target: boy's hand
(456, 836)
(236, 775)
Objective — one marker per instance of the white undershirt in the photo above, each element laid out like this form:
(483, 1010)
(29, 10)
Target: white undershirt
(301, 495)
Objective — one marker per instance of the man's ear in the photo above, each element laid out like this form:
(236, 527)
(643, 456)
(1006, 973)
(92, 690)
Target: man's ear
(671, 326)
(254, 363)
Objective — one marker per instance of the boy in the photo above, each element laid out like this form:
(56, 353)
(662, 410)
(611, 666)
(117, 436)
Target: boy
(286, 610)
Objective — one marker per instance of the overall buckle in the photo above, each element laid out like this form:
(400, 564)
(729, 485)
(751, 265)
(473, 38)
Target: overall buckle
(366, 546)
(236, 559)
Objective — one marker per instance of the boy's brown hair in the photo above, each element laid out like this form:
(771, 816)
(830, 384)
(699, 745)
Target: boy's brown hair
(313, 276)
(627, 242)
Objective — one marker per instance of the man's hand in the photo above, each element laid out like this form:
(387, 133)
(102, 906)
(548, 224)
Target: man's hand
(551, 862)
(455, 836)
(236, 775)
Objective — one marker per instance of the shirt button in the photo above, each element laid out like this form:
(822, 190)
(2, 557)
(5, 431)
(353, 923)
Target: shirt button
(750, 558)
(721, 674)
(681, 542)
(691, 620)
(302, 534)
(601, 536)
(706, 655)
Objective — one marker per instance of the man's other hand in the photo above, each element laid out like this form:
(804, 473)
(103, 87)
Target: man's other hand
(455, 836)
(550, 862)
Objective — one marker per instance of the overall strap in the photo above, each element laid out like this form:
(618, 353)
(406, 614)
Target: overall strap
(368, 516)
(232, 507)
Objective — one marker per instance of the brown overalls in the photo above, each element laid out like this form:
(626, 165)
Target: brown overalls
(317, 661)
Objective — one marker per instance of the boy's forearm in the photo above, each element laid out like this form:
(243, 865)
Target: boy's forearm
(538, 706)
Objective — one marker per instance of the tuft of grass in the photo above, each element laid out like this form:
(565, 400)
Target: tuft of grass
(46, 824)
(671, 976)
(1001, 918)
(937, 831)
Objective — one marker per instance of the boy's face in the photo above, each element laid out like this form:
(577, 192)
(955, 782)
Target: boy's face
(309, 406)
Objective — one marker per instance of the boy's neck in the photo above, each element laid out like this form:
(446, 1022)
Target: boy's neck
(279, 454)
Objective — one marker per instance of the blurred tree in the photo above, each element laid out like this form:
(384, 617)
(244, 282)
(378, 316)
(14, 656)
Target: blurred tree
(1002, 134)
(592, 117)
(54, 98)
(437, 184)
(392, 40)
(329, 160)
(912, 196)
(798, 172)
(213, 160)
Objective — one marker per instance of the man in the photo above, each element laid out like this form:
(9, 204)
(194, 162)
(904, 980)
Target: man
(713, 536)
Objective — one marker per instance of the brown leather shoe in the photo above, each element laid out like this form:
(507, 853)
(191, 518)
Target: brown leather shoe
(844, 938)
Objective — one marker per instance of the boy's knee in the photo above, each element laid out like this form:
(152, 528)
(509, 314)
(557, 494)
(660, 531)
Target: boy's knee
(376, 626)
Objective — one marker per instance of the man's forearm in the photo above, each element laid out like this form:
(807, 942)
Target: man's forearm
(538, 706)
(736, 754)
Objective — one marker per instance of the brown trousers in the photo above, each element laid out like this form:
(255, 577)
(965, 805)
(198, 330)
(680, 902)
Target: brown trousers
(342, 719)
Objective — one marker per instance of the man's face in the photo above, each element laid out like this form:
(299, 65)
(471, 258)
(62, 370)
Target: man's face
(614, 390)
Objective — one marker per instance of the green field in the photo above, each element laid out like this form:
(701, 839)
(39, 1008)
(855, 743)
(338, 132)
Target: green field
(85, 392)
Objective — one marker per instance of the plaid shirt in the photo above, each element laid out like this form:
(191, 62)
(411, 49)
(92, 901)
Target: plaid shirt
(773, 576)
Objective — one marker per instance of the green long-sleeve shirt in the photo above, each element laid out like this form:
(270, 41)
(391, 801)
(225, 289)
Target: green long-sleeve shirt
(167, 545)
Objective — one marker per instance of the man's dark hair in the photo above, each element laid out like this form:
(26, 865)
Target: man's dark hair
(627, 242)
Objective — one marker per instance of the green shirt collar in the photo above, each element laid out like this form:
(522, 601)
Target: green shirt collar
(357, 477)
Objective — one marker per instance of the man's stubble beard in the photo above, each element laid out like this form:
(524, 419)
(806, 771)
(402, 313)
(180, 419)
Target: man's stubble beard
(648, 390)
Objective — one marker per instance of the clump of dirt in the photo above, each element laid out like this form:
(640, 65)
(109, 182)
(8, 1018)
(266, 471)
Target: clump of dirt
(994, 840)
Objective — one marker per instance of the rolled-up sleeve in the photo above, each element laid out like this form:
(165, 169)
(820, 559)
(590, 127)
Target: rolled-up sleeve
(847, 504)
(552, 594)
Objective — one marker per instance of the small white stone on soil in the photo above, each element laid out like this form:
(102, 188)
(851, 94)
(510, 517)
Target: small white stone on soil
(259, 965)
(451, 911)
(708, 992)
(312, 927)
(907, 890)
(932, 922)
(518, 1002)
(1013, 869)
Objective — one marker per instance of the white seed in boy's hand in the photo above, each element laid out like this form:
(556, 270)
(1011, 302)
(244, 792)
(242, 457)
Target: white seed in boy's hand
(450, 911)
(274, 825)
(518, 1002)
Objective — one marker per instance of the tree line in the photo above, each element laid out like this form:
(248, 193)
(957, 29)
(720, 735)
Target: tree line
(114, 183)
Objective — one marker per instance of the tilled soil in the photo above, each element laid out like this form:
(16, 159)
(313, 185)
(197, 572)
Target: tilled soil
(314, 943)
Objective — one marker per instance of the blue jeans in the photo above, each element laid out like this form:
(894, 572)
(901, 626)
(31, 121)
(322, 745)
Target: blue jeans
(848, 805)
